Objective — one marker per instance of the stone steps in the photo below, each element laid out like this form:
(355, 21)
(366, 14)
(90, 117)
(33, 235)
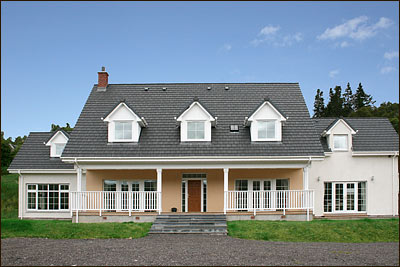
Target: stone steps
(189, 224)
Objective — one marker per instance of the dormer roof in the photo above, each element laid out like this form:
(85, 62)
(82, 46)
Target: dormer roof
(55, 134)
(121, 104)
(331, 126)
(269, 103)
(197, 102)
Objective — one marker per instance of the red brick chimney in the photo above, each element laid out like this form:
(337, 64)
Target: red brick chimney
(103, 78)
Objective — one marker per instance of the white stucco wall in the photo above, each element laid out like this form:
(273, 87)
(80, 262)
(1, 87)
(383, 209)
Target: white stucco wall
(45, 178)
(341, 166)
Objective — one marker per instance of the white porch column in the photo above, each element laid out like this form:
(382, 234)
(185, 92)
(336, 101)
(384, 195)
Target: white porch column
(305, 178)
(226, 172)
(21, 201)
(159, 189)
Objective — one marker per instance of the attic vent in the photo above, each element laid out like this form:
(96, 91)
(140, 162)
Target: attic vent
(208, 87)
(164, 88)
(226, 87)
(234, 128)
(146, 88)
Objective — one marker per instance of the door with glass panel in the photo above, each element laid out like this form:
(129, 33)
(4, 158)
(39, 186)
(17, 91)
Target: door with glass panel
(124, 195)
(282, 185)
(110, 187)
(345, 197)
(135, 195)
(267, 198)
(257, 194)
(241, 188)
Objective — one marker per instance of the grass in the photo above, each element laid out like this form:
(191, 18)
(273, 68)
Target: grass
(9, 196)
(351, 231)
(57, 229)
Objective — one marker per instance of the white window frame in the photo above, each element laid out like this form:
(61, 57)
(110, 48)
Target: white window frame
(130, 182)
(346, 148)
(266, 138)
(36, 191)
(185, 180)
(345, 197)
(204, 130)
(115, 132)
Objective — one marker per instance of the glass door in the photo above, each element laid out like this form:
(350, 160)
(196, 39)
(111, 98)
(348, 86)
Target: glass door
(109, 197)
(256, 194)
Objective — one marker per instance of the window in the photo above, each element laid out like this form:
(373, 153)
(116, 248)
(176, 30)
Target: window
(345, 197)
(204, 195)
(241, 185)
(48, 196)
(195, 130)
(123, 130)
(183, 196)
(282, 184)
(266, 129)
(339, 142)
(59, 149)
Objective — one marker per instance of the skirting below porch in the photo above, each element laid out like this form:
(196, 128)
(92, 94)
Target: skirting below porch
(93, 217)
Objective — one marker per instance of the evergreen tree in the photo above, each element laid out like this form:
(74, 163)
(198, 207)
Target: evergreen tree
(319, 106)
(347, 101)
(335, 106)
(361, 99)
(56, 127)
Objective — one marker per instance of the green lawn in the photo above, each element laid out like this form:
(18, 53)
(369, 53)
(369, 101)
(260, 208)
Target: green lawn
(353, 231)
(9, 196)
(56, 229)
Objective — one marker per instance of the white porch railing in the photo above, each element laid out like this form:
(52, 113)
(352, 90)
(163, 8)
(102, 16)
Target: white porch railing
(133, 201)
(270, 200)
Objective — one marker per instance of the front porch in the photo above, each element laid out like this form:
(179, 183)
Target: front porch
(255, 193)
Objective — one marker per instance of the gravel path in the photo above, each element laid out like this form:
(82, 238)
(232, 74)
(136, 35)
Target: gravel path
(192, 250)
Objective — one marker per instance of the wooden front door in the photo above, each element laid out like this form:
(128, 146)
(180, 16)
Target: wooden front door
(194, 196)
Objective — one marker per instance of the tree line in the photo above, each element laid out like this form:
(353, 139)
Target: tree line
(357, 104)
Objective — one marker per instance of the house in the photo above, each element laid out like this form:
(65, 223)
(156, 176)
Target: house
(249, 150)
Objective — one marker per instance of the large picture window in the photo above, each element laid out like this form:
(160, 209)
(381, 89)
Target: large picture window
(345, 197)
(340, 142)
(48, 197)
(195, 130)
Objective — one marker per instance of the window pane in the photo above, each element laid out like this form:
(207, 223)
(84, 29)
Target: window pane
(191, 126)
(195, 130)
(59, 148)
(241, 185)
(328, 197)
(64, 187)
(256, 185)
(204, 195)
(350, 196)
(31, 187)
(127, 130)
(64, 201)
(339, 197)
(362, 196)
(262, 129)
(150, 186)
(183, 196)
(124, 186)
(118, 126)
(53, 200)
(31, 200)
(110, 185)
(42, 187)
(42, 200)
(340, 141)
(267, 185)
(53, 187)
(282, 184)
(270, 129)
(135, 186)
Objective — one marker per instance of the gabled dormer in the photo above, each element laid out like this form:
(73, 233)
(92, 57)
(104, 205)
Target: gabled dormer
(57, 143)
(266, 122)
(339, 135)
(124, 125)
(196, 122)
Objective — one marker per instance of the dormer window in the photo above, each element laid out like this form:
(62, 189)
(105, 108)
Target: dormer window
(123, 130)
(265, 122)
(266, 129)
(195, 123)
(57, 143)
(59, 149)
(195, 130)
(124, 125)
(340, 142)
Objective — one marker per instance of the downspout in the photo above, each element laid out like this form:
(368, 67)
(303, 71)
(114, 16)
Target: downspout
(22, 194)
(393, 183)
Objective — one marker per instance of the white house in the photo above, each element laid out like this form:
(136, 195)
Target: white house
(247, 150)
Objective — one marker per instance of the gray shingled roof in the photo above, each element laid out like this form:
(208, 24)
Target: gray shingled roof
(34, 154)
(374, 134)
(162, 136)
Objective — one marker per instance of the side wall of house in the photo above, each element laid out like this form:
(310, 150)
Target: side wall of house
(47, 178)
(382, 193)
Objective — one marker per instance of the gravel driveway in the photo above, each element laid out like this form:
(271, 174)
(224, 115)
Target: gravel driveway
(192, 250)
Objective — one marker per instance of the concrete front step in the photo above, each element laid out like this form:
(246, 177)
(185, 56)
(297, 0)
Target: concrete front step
(190, 224)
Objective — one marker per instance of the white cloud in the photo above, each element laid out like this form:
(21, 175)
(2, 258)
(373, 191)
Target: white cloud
(344, 44)
(333, 73)
(268, 30)
(269, 34)
(356, 29)
(387, 69)
(226, 47)
(391, 55)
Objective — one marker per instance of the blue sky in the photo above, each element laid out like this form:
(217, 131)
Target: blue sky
(51, 51)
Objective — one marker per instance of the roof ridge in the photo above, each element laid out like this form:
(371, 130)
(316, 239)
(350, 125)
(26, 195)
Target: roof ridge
(156, 83)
